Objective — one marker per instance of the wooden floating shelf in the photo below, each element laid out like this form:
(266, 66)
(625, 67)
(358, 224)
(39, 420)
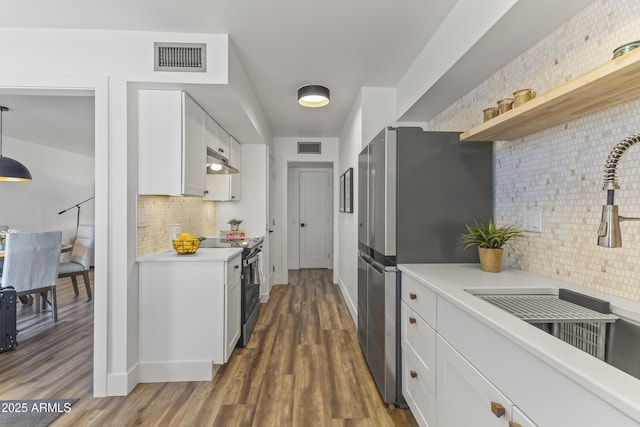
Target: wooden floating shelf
(612, 83)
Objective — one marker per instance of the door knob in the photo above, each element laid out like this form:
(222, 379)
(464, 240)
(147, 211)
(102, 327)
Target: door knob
(302, 224)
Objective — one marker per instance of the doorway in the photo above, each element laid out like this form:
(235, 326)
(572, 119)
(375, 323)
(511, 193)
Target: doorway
(310, 225)
(60, 153)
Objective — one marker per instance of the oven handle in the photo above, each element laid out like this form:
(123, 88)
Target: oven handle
(246, 262)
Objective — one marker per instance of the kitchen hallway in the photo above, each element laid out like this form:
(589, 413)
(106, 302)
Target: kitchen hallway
(303, 367)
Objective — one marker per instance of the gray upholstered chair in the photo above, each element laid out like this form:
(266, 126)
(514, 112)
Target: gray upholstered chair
(80, 260)
(3, 228)
(31, 263)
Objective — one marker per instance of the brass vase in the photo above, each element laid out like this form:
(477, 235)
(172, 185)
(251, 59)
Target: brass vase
(490, 259)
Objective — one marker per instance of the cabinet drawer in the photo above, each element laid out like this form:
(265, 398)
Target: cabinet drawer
(419, 388)
(420, 299)
(417, 334)
(234, 268)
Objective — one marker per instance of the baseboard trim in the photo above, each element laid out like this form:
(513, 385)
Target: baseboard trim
(159, 372)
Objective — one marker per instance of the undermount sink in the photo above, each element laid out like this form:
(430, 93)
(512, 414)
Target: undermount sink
(579, 320)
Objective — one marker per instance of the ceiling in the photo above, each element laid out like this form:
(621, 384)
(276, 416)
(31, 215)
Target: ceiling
(282, 44)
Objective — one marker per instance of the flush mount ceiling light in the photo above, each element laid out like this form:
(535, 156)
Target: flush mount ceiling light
(313, 96)
(11, 170)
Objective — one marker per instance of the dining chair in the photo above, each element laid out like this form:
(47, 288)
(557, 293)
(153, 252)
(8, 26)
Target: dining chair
(3, 228)
(80, 259)
(31, 263)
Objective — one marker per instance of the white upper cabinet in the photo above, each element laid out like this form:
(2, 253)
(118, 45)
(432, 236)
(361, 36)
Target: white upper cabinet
(226, 187)
(216, 137)
(171, 146)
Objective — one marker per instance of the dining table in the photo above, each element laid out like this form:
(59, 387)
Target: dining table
(64, 247)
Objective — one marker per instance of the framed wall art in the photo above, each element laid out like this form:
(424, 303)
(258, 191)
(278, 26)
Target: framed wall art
(348, 191)
(342, 193)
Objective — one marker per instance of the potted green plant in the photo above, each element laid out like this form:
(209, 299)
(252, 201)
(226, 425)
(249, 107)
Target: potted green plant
(489, 239)
(235, 224)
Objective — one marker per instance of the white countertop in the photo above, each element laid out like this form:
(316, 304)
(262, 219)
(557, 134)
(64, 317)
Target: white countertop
(451, 282)
(201, 255)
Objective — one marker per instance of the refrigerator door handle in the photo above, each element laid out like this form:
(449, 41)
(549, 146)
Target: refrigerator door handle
(378, 267)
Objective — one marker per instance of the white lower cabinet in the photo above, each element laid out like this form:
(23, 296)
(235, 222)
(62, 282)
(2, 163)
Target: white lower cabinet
(466, 397)
(232, 306)
(441, 387)
(188, 318)
(419, 366)
(520, 419)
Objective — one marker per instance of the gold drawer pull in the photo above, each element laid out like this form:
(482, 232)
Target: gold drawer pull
(413, 296)
(497, 409)
(514, 424)
(412, 320)
(413, 374)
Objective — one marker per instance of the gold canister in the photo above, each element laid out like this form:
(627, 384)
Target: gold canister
(505, 105)
(490, 113)
(523, 95)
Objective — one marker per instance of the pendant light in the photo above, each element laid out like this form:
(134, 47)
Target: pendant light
(11, 170)
(313, 96)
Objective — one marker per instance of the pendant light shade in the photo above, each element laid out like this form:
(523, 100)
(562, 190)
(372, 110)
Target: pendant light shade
(313, 96)
(11, 170)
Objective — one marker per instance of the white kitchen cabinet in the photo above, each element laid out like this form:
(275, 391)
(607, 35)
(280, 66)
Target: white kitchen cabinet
(418, 366)
(188, 313)
(216, 137)
(466, 397)
(232, 306)
(520, 419)
(226, 187)
(171, 149)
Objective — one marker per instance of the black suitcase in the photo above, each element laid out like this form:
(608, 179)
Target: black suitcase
(8, 329)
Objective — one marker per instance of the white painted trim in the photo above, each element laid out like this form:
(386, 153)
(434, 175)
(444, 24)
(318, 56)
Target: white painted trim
(192, 370)
(285, 214)
(353, 310)
(100, 86)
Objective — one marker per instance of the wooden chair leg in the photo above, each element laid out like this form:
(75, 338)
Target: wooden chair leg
(87, 283)
(74, 281)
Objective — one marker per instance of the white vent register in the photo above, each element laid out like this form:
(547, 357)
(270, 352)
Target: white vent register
(309, 148)
(180, 57)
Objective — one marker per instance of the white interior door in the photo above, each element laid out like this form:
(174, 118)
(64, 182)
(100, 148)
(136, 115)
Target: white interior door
(315, 219)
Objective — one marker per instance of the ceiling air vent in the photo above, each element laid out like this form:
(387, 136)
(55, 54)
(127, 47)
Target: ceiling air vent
(180, 57)
(309, 147)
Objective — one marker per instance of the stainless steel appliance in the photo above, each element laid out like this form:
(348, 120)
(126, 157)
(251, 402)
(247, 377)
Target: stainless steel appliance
(251, 280)
(416, 190)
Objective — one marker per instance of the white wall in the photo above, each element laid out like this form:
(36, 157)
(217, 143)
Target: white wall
(46, 58)
(284, 152)
(60, 180)
(371, 112)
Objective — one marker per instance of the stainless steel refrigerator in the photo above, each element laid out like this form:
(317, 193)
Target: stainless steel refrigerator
(416, 191)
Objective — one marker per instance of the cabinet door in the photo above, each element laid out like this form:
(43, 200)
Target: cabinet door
(465, 397)
(159, 142)
(520, 419)
(418, 366)
(223, 143)
(235, 159)
(194, 149)
(232, 316)
(211, 129)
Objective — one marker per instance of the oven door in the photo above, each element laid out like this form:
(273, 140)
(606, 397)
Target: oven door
(250, 304)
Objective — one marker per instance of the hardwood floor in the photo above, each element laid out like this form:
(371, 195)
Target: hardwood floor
(303, 367)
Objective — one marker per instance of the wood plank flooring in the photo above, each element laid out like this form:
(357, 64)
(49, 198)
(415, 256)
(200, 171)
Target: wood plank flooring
(303, 367)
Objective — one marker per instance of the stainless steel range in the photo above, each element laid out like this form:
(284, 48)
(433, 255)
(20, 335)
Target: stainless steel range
(250, 280)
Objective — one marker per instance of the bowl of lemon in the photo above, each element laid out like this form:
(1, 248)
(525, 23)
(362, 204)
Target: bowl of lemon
(186, 244)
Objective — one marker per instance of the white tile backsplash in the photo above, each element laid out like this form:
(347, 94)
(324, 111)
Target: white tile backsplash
(560, 170)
